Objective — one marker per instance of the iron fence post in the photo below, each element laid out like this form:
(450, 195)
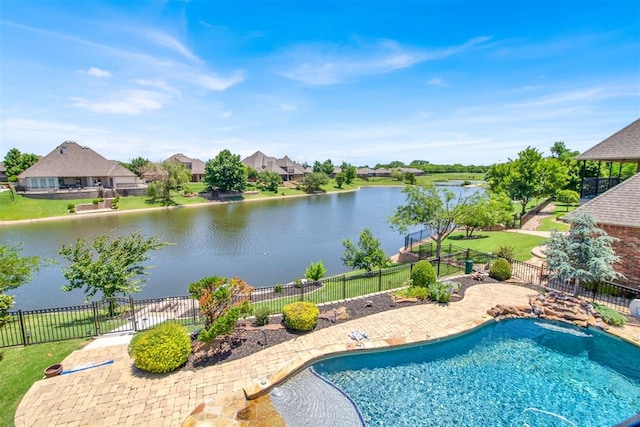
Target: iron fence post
(96, 321)
(132, 307)
(379, 279)
(344, 286)
(438, 271)
(23, 330)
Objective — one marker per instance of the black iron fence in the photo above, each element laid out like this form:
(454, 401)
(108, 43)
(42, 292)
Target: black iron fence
(127, 314)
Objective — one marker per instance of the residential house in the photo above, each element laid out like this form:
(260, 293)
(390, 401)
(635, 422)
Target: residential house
(285, 167)
(3, 172)
(75, 167)
(623, 147)
(196, 166)
(617, 210)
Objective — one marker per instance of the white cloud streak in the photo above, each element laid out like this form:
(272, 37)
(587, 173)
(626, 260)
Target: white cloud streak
(132, 102)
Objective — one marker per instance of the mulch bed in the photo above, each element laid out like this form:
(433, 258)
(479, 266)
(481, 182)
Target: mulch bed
(252, 340)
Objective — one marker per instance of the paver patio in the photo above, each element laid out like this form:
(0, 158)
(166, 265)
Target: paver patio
(118, 395)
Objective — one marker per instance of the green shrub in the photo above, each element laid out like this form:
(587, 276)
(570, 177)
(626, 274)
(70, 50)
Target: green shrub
(226, 323)
(506, 252)
(315, 271)
(452, 286)
(277, 288)
(161, 349)
(300, 316)
(609, 315)
(419, 292)
(71, 207)
(262, 315)
(423, 274)
(500, 270)
(440, 292)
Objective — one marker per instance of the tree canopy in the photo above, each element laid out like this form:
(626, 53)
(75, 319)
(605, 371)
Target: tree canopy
(16, 162)
(438, 209)
(485, 209)
(367, 254)
(226, 172)
(109, 265)
(15, 270)
(314, 181)
(584, 254)
(172, 176)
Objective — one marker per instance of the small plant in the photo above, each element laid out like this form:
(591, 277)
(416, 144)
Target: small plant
(161, 349)
(277, 288)
(298, 283)
(96, 201)
(300, 316)
(609, 315)
(419, 292)
(315, 271)
(262, 315)
(500, 270)
(423, 274)
(71, 208)
(439, 292)
(506, 252)
(452, 286)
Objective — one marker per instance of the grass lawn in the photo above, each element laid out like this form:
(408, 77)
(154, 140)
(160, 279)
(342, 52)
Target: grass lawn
(490, 241)
(20, 367)
(548, 224)
(25, 208)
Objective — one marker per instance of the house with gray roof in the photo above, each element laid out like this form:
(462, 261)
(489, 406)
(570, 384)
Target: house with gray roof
(71, 166)
(285, 167)
(196, 166)
(617, 210)
(621, 147)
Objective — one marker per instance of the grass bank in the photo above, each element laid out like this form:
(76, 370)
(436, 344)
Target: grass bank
(491, 241)
(20, 367)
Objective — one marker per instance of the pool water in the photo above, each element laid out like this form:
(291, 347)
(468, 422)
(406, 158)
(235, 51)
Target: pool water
(511, 373)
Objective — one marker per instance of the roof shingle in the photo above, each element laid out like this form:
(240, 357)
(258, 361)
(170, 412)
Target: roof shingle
(623, 145)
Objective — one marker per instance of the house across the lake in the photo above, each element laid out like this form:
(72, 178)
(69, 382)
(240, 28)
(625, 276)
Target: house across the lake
(196, 166)
(74, 171)
(285, 167)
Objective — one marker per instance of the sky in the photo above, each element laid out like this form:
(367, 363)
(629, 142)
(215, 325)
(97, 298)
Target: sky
(365, 82)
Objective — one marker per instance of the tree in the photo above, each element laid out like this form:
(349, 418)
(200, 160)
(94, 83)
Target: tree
(527, 177)
(172, 177)
(409, 178)
(568, 197)
(340, 179)
(437, 209)
(108, 265)
(226, 172)
(314, 181)
(484, 210)
(326, 166)
(268, 180)
(367, 255)
(16, 162)
(584, 254)
(397, 174)
(137, 166)
(349, 171)
(14, 271)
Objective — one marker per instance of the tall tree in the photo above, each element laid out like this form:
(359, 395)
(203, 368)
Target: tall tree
(438, 209)
(226, 172)
(349, 171)
(109, 265)
(171, 177)
(326, 166)
(15, 270)
(367, 254)
(137, 166)
(584, 254)
(485, 210)
(527, 177)
(16, 162)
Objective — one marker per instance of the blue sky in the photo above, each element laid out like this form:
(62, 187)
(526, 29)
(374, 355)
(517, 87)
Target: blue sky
(367, 82)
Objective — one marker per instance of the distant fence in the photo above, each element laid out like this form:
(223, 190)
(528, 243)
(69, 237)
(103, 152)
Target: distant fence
(127, 314)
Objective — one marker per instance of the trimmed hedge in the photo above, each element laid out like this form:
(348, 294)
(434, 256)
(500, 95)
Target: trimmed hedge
(500, 270)
(300, 316)
(423, 274)
(164, 348)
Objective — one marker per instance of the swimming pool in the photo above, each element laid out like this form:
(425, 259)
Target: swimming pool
(514, 372)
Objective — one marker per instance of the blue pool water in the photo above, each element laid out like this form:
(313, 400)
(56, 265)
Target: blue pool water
(511, 373)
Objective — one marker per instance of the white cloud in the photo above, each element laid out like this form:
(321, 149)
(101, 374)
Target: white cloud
(126, 102)
(98, 73)
(438, 82)
(215, 82)
(157, 84)
(167, 41)
(330, 64)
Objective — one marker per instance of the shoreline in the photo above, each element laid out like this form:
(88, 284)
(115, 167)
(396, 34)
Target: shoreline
(106, 212)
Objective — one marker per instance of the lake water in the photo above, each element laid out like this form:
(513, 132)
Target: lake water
(263, 242)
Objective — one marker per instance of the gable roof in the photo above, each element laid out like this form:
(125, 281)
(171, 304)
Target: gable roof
(197, 165)
(71, 159)
(617, 206)
(623, 145)
(261, 162)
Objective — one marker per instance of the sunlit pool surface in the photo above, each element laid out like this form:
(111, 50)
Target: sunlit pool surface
(511, 373)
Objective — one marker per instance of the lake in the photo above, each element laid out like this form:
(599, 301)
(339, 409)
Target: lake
(262, 242)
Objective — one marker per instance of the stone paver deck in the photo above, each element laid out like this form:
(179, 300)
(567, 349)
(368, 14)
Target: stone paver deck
(118, 395)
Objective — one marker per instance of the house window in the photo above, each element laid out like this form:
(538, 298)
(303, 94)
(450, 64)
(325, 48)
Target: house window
(33, 182)
(52, 182)
(43, 182)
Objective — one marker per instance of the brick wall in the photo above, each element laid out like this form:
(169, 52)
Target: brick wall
(628, 249)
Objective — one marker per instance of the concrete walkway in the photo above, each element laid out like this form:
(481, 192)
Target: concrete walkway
(118, 395)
